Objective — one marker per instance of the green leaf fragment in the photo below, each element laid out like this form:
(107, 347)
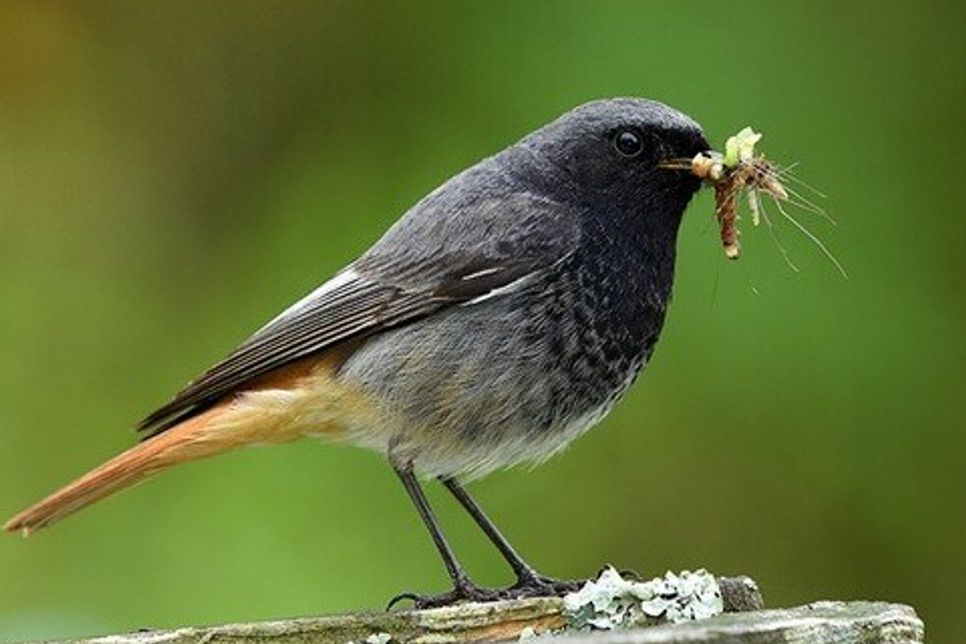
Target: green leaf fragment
(740, 147)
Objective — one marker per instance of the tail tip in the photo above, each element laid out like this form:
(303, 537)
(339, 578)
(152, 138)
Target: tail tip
(17, 524)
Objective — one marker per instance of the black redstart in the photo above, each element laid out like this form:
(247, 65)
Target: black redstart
(497, 320)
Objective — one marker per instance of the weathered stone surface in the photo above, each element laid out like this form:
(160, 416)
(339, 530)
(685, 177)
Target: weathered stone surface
(837, 622)
(821, 622)
(463, 623)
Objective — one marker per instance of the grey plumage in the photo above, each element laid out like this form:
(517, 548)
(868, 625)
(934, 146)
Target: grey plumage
(509, 309)
(502, 316)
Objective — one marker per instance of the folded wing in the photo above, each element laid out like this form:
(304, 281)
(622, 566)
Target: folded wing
(423, 264)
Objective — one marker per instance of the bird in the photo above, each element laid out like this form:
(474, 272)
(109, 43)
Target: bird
(502, 316)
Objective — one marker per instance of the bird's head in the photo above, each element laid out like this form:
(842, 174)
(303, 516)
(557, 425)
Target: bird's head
(611, 152)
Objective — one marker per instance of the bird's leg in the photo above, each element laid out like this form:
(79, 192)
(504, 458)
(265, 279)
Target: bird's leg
(529, 582)
(463, 587)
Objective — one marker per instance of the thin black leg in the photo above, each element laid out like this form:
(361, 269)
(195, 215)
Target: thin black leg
(453, 567)
(463, 587)
(521, 568)
(528, 579)
(529, 582)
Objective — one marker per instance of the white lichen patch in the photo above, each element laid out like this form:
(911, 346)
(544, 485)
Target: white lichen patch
(375, 638)
(611, 601)
(379, 638)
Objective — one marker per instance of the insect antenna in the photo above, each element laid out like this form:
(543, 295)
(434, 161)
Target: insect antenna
(770, 227)
(809, 205)
(791, 176)
(812, 237)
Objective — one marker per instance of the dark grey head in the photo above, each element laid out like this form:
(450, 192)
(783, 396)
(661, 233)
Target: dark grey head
(610, 151)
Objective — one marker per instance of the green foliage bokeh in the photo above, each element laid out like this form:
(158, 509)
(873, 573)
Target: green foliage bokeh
(173, 174)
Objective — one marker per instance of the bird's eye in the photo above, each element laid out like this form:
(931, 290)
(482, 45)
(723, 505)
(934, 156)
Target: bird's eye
(628, 143)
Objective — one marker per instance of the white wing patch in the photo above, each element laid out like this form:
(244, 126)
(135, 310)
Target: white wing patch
(515, 285)
(339, 279)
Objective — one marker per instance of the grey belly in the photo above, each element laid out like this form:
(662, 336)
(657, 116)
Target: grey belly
(478, 387)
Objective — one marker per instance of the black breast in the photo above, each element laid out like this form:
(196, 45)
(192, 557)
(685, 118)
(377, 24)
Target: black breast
(599, 316)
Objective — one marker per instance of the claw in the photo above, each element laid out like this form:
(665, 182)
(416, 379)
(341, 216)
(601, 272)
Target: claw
(470, 593)
(629, 574)
(400, 597)
(626, 573)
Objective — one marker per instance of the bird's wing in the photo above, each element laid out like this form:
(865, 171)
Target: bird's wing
(423, 264)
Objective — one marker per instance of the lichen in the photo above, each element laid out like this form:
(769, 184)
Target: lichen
(375, 638)
(379, 638)
(611, 601)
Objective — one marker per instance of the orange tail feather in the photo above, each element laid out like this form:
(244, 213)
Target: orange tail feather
(185, 442)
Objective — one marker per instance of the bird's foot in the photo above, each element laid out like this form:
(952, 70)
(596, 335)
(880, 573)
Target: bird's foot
(529, 585)
(536, 585)
(627, 573)
(465, 591)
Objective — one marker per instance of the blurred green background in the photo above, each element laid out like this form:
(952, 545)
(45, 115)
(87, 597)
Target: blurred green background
(174, 173)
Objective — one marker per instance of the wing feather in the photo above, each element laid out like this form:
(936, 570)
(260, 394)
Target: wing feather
(402, 278)
(349, 310)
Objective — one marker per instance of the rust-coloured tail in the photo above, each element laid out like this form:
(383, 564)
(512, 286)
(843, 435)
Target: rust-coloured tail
(301, 399)
(185, 442)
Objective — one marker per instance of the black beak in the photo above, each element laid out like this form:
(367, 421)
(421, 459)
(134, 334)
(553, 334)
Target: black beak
(683, 148)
